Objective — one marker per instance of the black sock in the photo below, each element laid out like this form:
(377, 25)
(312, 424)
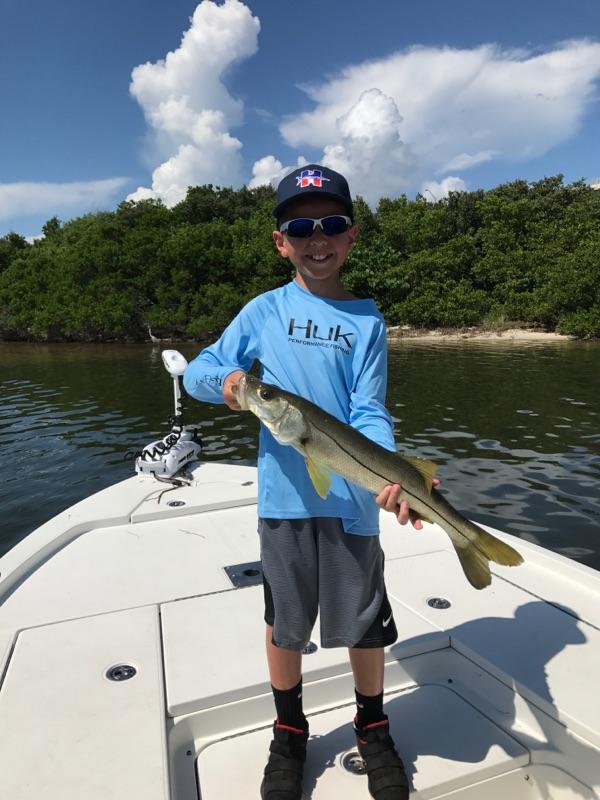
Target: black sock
(368, 709)
(288, 703)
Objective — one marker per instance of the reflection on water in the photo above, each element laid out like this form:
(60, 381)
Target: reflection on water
(515, 429)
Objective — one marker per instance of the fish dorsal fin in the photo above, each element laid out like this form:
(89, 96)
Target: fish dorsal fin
(320, 477)
(426, 469)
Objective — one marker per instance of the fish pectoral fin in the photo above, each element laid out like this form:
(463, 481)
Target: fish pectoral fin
(426, 469)
(320, 477)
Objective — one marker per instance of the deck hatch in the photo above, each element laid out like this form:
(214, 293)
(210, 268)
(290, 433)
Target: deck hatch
(248, 574)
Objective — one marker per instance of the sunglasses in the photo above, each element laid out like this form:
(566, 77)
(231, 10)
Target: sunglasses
(304, 227)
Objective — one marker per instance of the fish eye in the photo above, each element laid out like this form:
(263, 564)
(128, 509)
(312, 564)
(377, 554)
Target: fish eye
(266, 394)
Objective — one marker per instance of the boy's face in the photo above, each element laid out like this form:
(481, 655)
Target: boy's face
(319, 257)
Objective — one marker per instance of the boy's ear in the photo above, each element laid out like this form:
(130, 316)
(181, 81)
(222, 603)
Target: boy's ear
(280, 243)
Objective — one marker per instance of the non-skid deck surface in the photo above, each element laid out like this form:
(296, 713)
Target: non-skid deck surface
(526, 643)
(67, 731)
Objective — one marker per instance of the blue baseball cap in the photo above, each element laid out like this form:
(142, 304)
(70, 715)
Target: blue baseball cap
(316, 180)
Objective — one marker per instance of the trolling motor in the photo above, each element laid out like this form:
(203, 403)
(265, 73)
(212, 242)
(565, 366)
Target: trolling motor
(168, 455)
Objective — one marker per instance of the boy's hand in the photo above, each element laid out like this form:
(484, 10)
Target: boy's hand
(230, 381)
(388, 499)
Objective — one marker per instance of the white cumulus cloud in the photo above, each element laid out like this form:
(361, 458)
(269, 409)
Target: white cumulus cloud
(28, 198)
(270, 170)
(369, 149)
(187, 106)
(436, 190)
(394, 124)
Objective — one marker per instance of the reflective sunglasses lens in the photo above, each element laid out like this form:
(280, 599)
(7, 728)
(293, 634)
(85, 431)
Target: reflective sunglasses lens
(300, 228)
(334, 225)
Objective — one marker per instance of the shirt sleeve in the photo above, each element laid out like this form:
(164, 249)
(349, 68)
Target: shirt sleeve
(367, 400)
(237, 348)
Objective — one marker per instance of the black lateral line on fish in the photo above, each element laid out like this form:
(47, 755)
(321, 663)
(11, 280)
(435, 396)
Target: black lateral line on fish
(383, 477)
(406, 491)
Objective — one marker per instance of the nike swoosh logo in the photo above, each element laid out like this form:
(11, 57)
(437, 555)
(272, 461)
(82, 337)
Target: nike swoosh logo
(360, 705)
(386, 622)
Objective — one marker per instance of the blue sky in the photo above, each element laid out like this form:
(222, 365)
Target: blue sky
(402, 97)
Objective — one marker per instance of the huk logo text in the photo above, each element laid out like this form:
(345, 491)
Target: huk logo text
(311, 331)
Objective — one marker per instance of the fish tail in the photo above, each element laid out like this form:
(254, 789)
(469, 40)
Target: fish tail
(477, 548)
(496, 550)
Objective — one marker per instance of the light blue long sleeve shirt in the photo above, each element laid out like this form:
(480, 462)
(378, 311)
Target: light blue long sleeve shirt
(333, 353)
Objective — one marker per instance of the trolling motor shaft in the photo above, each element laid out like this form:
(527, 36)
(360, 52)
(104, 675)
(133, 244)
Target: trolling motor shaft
(165, 457)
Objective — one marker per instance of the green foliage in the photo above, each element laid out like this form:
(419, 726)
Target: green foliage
(212, 309)
(521, 251)
(11, 246)
(439, 289)
(51, 227)
(208, 203)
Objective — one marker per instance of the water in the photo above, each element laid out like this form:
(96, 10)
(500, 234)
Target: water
(515, 430)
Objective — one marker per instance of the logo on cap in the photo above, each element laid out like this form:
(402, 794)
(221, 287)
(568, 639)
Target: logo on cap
(310, 177)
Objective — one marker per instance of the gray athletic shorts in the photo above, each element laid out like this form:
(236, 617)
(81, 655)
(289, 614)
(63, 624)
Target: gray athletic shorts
(312, 565)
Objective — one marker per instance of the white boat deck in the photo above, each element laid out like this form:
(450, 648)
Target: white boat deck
(495, 696)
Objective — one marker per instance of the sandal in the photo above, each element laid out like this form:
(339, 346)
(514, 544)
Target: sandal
(283, 772)
(385, 770)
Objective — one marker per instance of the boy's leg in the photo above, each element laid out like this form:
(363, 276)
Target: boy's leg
(290, 568)
(288, 555)
(367, 667)
(286, 682)
(283, 773)
(387, 777)
(285, 666)
(352, 591)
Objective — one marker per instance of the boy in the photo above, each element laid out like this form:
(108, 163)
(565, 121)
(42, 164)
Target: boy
(314, 338)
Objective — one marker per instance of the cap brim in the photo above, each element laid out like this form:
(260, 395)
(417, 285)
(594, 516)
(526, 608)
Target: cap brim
(278, 210)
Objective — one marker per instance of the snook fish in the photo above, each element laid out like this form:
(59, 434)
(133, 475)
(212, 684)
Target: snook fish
(329, 445)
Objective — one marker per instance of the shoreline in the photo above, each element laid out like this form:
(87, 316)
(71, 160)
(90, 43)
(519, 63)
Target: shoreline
(400, 333)
(395, 333)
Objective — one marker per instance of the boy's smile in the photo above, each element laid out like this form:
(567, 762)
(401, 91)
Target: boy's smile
(318, 258)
